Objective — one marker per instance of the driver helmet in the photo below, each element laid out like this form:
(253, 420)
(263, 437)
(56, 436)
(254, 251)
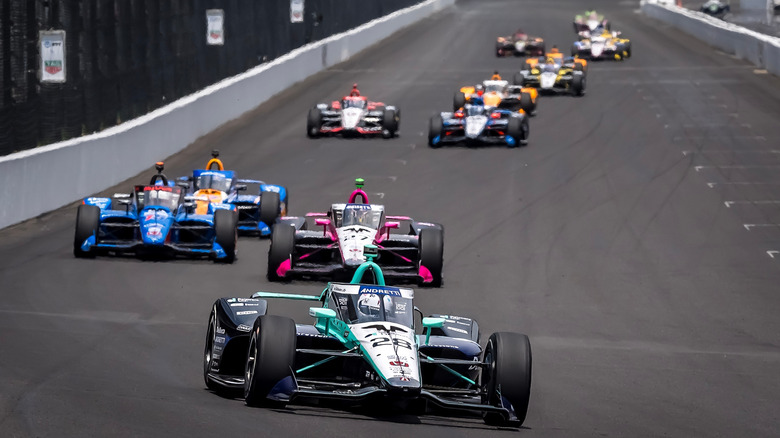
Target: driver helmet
(550, 60)
(555, 49)
(355, 92)
(370, 305)
(496, 76)
(479, 90)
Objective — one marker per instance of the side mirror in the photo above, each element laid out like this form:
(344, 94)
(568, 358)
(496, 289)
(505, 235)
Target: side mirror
(322, 222)
(392, 225)
(183, 184)
(322, 312)
(125, 201)
(430, 323)
(240, 187)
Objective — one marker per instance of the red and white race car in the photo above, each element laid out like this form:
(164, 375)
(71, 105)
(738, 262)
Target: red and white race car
(353, 115)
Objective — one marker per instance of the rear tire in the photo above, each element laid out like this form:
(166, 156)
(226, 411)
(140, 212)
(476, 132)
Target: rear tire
(507, 375)
(518, 128)
(314, 123)
(435, 127)
(578, 85)
(518, 78)
(270, 207)
(432, 254)
(458, 101)
(269, 359)
(87, 224)
(282, 245)
(226, 233)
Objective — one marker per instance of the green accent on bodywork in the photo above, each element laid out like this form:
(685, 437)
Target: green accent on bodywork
(359, 182)
(287, 296)
(358, 276)
(450, 370)
(429, 323)
(318, 363)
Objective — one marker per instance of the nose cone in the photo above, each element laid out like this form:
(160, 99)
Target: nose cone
(154, 226)
(403, 386)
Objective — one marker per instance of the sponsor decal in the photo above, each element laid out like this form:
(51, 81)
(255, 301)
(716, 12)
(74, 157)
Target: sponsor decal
(379, 290)
(243, 328)
(357, 207)
(400, 307)
(247, 300)
(398, 363)
(237, 305)
(455, 329)
(343, 301)
(154, 231)
(247, 312)
(404, 379)
(231, 300)
(220, 330)
(219, 340)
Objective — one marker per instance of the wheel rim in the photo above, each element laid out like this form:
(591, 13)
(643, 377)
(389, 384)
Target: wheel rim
(250, 365)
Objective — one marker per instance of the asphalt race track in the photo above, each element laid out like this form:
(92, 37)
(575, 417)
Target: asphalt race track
(632, 240)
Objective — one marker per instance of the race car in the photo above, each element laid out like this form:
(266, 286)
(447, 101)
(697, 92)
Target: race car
(215, 185)
(553, 73)
(588, 21)
(364, 346)
(330, 245)
(602, 44)
(497, 92)
(518, 44)
(477, 123)
(715, 8)
(155, 219)
(353, 115)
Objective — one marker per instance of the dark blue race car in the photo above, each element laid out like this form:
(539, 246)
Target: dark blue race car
(155, 219)
(256, 212)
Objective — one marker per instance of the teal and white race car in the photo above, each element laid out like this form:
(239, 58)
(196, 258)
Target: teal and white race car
(364, 345)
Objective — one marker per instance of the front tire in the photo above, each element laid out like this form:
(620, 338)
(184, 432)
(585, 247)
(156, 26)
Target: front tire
(226, 233)
(314, 123)
(527, 103)
(270, 208)
(432, 254)
(519, 130)
(435, 127)
(282, 245)
(507, 376)
(270, 357)
(390, 120)
(87, 224)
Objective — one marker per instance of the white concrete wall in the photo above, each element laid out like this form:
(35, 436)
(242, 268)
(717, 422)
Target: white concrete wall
(39, 180)
(762, 50)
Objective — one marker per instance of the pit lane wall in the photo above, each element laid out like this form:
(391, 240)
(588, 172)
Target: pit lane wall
(43, 179)
(762, 50)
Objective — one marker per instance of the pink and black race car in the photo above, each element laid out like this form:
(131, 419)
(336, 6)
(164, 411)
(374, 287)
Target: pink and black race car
(332, 244)
(519, 44)
(353, 115)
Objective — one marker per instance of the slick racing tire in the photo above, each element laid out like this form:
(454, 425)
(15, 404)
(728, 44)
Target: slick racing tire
(458, 101)
(578, 67)
(507, 374)
(578, 85)
(519, 130)
(282, 244)
(527, 103)
(390, 120)
(269, 359)
(435, 127)
(432, 254)
(87, 224)
(208, 356)
(574, 50)
(518, 78)
(270, 207)
(314, 123)
(226, 233)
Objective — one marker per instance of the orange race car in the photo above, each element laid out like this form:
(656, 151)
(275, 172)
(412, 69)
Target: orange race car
(497, 93)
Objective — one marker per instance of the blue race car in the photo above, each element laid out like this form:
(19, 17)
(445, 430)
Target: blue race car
(155, 219)
(256, 212)
(476, 123)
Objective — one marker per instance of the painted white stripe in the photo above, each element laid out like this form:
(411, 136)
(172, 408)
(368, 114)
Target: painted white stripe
(739, 166)
(741, 183)
(722, 151)
(767, 202)
(773, 254)
(749, 226)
